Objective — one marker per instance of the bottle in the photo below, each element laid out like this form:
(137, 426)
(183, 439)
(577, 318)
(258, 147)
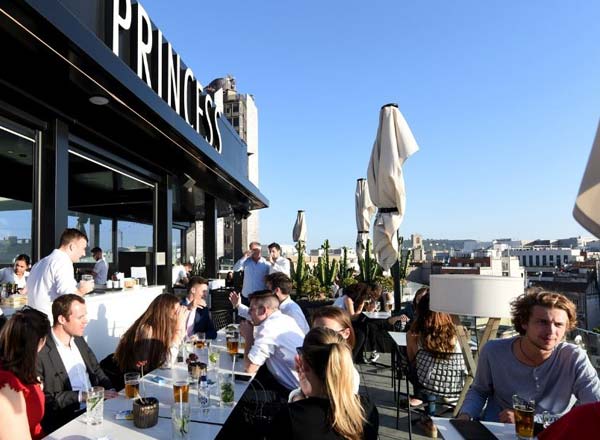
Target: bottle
(203, 394)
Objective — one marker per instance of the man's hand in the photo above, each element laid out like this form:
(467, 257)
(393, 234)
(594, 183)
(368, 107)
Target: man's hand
(247, 331)
(235, 299)
(85, 287)
(507, 416)
(110, 394)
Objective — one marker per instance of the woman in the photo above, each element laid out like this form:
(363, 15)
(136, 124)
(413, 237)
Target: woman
(431, 331)
(354, 299)
(331, 409)
(152, 335)
(337, 320)
(21, 396)
(407, 314)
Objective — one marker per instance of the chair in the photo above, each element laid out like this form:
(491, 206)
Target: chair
(221, 318)
(435, 373)
(219, 299)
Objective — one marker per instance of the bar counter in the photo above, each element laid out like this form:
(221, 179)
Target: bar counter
(110, 314)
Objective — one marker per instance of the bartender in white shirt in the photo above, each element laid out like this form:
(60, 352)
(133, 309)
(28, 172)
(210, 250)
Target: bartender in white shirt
(100, 271)
(53, 276)
(17, 274)
(277, 263)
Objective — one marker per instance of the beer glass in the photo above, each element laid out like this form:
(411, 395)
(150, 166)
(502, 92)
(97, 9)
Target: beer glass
(524, 412)
(132, 385)
(181, 389)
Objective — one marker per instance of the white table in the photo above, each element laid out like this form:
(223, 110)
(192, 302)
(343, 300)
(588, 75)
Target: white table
(207, 423)
(501, 430)
(399, 338)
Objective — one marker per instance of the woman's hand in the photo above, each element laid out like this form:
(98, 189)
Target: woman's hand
(305, 385)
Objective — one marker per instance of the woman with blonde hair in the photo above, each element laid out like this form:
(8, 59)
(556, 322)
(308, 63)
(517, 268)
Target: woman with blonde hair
(152, 335)
(331, 409)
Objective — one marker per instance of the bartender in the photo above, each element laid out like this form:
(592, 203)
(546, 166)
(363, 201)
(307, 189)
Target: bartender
(100, 271)
(53, 275)
(17, 274)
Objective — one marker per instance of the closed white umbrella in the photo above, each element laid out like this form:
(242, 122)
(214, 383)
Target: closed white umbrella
(299, 233)
(393, 145)
(364, 211)
(587, 204)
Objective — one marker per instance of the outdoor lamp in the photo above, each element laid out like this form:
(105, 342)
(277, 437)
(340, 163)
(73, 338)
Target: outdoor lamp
(473, 295)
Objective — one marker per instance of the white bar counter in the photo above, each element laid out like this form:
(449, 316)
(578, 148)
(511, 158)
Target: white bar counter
(110, 314)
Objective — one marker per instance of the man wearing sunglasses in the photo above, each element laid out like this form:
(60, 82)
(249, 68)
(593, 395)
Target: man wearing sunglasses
(271, 340)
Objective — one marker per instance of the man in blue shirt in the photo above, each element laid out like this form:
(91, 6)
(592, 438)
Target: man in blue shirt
(255, 268)
(536, 365)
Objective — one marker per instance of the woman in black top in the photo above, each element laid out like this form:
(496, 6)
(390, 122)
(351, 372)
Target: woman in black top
(331, 409)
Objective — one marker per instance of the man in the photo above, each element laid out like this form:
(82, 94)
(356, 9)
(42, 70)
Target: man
(52, 276)
(536, 365)
(271, 339)
(255, 270)
(276, 261)
(100, 271)
(198, 319)
(17, 274)
(281, 285)
(67, 365)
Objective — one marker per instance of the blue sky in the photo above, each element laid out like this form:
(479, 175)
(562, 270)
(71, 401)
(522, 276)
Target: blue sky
(503, 98)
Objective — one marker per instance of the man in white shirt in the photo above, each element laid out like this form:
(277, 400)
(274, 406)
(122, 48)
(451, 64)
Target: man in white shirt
(271, 339)
(281, 285)
(276, 261)
(67, 365)
(100, 271)
(18, 273)
(53, 275)
(255, 270)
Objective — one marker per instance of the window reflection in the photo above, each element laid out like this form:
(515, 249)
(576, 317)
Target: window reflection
(16, 180)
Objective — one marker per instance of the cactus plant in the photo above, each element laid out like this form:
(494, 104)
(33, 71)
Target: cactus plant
(300, 271)
(326, 270)
(343, 272)
(369, 268)
(403, 258)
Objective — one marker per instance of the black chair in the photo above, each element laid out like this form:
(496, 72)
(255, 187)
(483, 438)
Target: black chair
(221, 318)
(219, 299)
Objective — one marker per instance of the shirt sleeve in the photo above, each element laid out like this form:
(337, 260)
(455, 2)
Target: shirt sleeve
(482, 387)
(239, 264)
(281, 265)
(243, 311)
(262, 349)
(63, 279)
(587, 386)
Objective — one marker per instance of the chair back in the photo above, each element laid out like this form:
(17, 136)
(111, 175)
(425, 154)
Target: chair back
(219, 299)
(221, 318)
(440, 374)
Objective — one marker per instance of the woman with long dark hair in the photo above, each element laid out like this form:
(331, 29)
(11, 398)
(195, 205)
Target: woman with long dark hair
(434, 332)
(21, 397)
(331, 409)
(152, 335)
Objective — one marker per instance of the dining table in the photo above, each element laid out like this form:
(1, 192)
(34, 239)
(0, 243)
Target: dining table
(205, 422)
(502, 431)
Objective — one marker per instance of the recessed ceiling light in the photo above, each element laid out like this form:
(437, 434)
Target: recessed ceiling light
(99, 100)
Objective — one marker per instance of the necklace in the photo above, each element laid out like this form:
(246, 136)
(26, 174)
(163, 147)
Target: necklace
(535, 363)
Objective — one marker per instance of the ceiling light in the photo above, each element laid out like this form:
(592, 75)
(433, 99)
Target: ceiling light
(99, 100)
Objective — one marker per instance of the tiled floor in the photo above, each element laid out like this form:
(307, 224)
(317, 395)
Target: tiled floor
(376, 382)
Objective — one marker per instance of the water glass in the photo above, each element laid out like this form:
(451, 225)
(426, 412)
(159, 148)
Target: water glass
(524, 412)
(180, 421)
(95, 406)
(213, 356)
(132, 385)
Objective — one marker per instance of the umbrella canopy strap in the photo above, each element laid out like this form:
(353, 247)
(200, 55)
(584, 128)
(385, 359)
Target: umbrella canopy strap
(388, 210)
(363, 232)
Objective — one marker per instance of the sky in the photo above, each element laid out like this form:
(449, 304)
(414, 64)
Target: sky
(503, 98)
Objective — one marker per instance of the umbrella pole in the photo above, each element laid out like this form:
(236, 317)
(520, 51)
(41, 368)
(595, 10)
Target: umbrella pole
(397, 286)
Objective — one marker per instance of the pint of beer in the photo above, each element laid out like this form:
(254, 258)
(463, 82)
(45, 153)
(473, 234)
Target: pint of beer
(524, 412)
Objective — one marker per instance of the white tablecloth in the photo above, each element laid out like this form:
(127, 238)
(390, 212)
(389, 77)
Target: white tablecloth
(503, 431)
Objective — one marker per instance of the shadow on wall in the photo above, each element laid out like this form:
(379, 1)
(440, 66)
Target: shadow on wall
(98, 335)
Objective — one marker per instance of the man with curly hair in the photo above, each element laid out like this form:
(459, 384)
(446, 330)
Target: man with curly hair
(536, 365)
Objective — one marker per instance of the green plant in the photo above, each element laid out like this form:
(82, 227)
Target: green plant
(369, 268)
(312, 288)
(299, 271)
(403, 258)
(348, 281)
(343, 272)
(326, 270)
(386, 283)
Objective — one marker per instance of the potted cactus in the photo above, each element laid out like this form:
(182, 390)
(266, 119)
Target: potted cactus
(326, 271)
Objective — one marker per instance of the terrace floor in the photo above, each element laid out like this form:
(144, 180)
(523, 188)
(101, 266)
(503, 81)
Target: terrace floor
(376, 383)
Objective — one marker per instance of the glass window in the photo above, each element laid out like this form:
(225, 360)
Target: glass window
(99, 233)
(134, 237)
(16, 180)
(531, 260)
(176, 245)
(537, 260)
(544, 262)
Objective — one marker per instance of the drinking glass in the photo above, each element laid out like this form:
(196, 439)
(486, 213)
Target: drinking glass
(201, 340)
(213, 357)
(95, 406)
(132, 385)
(87, 277)
(181, 389)
(524, 411)
(226, 382)
(233, 340)
(180, 421)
